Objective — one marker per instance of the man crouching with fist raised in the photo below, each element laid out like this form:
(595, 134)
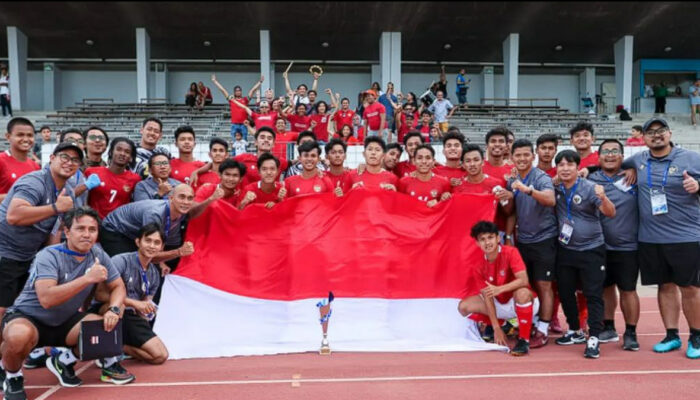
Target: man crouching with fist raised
(45, 313)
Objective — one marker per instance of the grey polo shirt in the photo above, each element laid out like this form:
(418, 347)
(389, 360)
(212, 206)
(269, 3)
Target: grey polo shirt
(129, 218)
(620, 232)
(535, 222)
(54, 264)
(147, 189)
(588, 231)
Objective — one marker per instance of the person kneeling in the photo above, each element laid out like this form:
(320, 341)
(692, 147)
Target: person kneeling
(141, 278)
(507, 293)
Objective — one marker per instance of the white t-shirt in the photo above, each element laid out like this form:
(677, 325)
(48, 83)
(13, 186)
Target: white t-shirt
(5, 89)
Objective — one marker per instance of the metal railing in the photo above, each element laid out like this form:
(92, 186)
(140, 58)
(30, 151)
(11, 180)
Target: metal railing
(96, 100)
(518, 102)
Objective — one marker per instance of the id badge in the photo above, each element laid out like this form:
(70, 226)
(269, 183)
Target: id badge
(566, 231)
(620, 184)
(659, 205)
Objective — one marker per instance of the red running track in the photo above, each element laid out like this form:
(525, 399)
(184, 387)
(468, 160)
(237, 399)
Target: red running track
(552, 372)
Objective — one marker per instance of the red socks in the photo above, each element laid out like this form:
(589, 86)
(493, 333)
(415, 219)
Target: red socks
(524, 313)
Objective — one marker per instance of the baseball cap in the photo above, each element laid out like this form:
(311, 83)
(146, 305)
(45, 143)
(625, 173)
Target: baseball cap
(370, 91)
(68, 145)
(647, 124)
(264, 103)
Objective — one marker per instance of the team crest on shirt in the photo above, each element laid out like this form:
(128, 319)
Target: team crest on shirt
(14, 176)
(502, 272)
(577, 199)
(672, 170)
(127, 188)
(317, 188)
(641, 166)
(434, 193)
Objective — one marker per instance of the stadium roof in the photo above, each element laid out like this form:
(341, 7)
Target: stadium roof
(475, 30)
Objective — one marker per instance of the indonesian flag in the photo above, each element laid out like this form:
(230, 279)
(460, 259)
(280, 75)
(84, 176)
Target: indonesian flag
(396, 268)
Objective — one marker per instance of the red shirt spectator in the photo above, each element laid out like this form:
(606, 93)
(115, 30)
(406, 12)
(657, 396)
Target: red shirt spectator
(238, 114)
(373, 114)
(281, 142)
(321, 127)
(261, 120)
(299, 123)
(342, 118)
(11, 170)
(114, 191)
(635, 141)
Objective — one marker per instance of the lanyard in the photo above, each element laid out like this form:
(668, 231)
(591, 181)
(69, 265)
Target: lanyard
(524, 181)
(70, 252)
(144, 281)
(663, 180)
(167, 220)
(569, 198)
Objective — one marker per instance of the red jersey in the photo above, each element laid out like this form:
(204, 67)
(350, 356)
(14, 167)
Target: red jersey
(403, 168)
(260, 196)
(502, 270)
(342, 118)
(321, 128)
(498, 172)
(296, 185)
(635, 142)
(424, 191)
(210, 177)
(589, 160)
(264, 120)
(11, 170)
(373, 114)
(425, 131)
(484, 187)
(370, 180)
(114, 191)
(238, 114)
(281, 142)
(552, 172)
(338, 180)
(182, 171)
(251, 168)
(449, 172)
(299, 124)
(205, 191)
(207, 93)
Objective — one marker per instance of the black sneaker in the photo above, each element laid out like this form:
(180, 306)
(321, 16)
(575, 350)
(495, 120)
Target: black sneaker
(116, 374)
(14, 389)
(630, 341)
(521, 348)
(592, 348)
(64, 373)
(509, 329)
(571, 337)
(487, 335)
(33, 363)
(608, 335)
(2, 375)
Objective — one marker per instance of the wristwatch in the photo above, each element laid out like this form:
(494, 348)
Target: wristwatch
(532, 189)
(116, 310)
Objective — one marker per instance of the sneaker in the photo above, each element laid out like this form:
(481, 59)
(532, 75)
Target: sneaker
(538, 340)
(487, 335)
(14, 389)
(571, 337)
(116, 374)
(509, 329)
(2, 375)
(521, 348)
(693, 351)
(64, 373)
(555, 326)
(592, 348)
(629, 342)
(668, 344)
(33, 363)
(608, 335)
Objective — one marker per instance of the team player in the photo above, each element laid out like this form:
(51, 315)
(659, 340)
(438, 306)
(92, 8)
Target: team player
(159, 184)
(218, 152)
(506, 293)
(311, 180)
(621, 267)
(475, 181)
(452, 147)
(498, 166)
(46, 313)
(232, 173)
(533, 197)
(410, 142)
(669, 233)
(581, 251)
(336, 151)
(546, 150)
(425, 185)
(373, 176)
(582, 138)
(296, 168)
(16, 161)
(183, 167)
(141, 279)
(392, 156)
(117, 183)
(268, 190)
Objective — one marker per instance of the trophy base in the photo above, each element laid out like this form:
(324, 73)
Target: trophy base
(324, 351)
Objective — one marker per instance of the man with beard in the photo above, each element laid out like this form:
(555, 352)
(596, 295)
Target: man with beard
(117, 184)
(96, 142)
(425, 185)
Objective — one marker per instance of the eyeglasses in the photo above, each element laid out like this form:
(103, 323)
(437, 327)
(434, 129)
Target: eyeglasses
(160, 163)
(73, 160)
(76, 141)
(654, 132)
(611, 152)
(96, 138)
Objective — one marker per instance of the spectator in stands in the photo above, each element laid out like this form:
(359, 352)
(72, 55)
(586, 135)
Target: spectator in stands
(358, 128)
(311, 107)
(546, 150)
(342, 116)
(636, 137)
(319, 122)
(191, 96)
(425, 185)
(268, 191)
(264, 118)
(426, 122)
(582, 138)
(183, 167)
(239, 146)
(299, 121)
(229, 178)
(388, 100)
(435, 134)
(96, 142)
(5, 92)
(151, 133)
(44, 137)
(377, 88)
(16, 161)
(373, 175)
(218, 152)
(117, 183)
(282, 138)
(158, 184)
(412, 100)
(301, 95)
(442, 83)
(238, 115)
(348, 136)
(660, 94)
(462, 87)
(204, 97)
(336, 152)
(694, 94)
(374, 117)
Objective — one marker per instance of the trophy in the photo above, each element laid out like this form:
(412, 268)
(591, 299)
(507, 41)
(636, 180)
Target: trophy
(316, 68)
(324, 308)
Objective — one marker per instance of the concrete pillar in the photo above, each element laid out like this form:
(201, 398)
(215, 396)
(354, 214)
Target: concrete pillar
(143, 64)
(17, 68)
(390, 59)
(52, 87)
(510, 66)
(265, 62)
(487, 78)
(623, 71)
(586, 84)
(375, 75)
(161, 81)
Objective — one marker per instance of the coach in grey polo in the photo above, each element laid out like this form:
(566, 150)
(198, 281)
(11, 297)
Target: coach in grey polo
(147, 189)
(669, 229)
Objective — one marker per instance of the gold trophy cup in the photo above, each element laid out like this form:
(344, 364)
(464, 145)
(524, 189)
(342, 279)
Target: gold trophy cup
(316, 69)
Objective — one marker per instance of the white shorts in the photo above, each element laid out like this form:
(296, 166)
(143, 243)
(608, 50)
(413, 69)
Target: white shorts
(507, 310)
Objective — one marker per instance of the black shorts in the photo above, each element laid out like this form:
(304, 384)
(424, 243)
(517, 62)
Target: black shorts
(677, 263)
(136, 330)
(48, 335)
(621, 269)
(114, 243)
(13, 276)
(540, 259)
